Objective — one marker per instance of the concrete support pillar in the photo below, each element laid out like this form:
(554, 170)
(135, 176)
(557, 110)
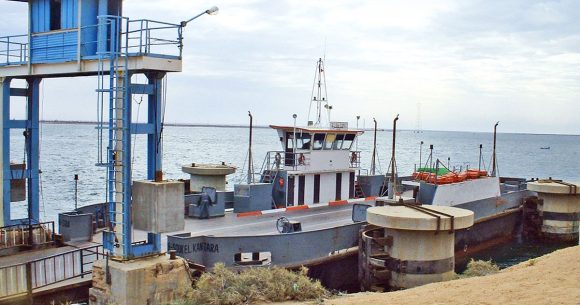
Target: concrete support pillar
(153, 281)
(122, 166)
(33, 149)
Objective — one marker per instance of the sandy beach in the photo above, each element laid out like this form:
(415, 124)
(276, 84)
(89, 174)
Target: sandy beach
(550, 279)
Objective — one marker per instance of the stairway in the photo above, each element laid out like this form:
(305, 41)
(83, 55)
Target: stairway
(268, 176)
(358, 191)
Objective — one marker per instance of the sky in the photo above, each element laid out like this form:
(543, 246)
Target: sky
(441, 65)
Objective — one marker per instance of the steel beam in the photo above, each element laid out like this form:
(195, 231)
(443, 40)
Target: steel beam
(5, 143)
(154, 117)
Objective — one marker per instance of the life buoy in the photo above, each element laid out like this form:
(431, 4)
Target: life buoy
(281, 182)
(277, 159)
(301, 159)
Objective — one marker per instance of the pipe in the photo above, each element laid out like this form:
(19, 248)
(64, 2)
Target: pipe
(480, 148)
(374, 149)
(420, 153)
(393, 165)
(494, 164)
(76, 191)
(250, 174)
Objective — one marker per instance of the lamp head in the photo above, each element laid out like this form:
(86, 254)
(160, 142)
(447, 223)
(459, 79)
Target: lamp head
(212, 11)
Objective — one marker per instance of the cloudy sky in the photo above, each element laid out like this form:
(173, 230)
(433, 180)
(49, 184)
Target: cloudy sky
(467, 63)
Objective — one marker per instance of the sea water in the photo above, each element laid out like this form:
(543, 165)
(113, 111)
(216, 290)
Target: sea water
(69, 149)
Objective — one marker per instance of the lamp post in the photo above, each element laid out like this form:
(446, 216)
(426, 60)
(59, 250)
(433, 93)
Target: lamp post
(211, 11)
(420, 154)
(357, 118)
(294, 116)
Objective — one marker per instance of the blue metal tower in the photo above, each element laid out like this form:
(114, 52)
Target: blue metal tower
(75, 38)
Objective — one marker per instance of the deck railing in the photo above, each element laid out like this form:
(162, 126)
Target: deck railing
(26, 235)
(14, 50)
(23, 278)
(142, 37)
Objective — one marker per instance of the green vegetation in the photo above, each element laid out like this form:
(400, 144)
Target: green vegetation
(226, 287)
(479, 268)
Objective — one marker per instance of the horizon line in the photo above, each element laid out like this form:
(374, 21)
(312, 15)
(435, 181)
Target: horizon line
(205, 125)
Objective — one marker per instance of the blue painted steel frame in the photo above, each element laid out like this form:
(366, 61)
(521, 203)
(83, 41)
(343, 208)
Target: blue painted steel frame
(30, 125)
(153, 89)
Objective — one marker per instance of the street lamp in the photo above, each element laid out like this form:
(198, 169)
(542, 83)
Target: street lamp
(211, 11)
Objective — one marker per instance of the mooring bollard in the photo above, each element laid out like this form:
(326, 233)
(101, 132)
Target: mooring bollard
(408, 245)
(560, 210)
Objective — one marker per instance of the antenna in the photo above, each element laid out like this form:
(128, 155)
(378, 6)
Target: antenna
(319, 95)
(419, 127)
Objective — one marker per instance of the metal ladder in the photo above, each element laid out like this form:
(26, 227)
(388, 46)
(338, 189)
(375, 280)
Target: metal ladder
(113, 88)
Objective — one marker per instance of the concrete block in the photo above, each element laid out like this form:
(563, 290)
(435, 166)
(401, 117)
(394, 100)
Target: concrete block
(158, 206)
(152, 281)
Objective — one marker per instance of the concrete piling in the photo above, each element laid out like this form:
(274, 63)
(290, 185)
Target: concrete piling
(560, 210)
(407, 246)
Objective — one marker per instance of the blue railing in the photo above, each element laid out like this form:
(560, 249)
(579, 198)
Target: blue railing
(142, 37)
(149, 37)
(14, 50)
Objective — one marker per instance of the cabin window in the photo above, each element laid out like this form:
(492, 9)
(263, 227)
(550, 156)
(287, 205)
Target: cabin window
(289, 141)
(329, 141)
(304, 141)
(348, 139)
(338, 142)
(55, 15)
(318, 142)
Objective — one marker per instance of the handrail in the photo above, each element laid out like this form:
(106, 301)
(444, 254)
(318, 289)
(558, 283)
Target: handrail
(35, 274)
(148, 37)
(17, 241)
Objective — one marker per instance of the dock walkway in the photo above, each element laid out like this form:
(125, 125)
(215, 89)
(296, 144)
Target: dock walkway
(46, 272)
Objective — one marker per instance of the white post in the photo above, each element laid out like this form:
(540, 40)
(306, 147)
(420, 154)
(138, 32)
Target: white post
(119, 187)
(2, 79)
(294, 116)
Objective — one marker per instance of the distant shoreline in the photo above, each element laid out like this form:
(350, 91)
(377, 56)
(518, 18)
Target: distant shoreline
(58, 122)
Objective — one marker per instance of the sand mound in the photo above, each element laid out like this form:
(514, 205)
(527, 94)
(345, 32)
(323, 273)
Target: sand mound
(550, 279)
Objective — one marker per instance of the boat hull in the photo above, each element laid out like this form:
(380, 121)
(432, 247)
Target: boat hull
(331, 253)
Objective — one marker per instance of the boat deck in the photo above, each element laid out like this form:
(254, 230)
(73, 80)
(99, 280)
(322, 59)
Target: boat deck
(232, 225)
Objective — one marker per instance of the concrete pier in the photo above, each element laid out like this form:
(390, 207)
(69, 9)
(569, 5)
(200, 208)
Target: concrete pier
(560, 209)
(151, 281)
(408, 246)
(209, 175)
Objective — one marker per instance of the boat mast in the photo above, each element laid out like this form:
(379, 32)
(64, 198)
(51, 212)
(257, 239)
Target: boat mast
(319, 92)
(250, 172)
(493, 160)
(374, 149)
